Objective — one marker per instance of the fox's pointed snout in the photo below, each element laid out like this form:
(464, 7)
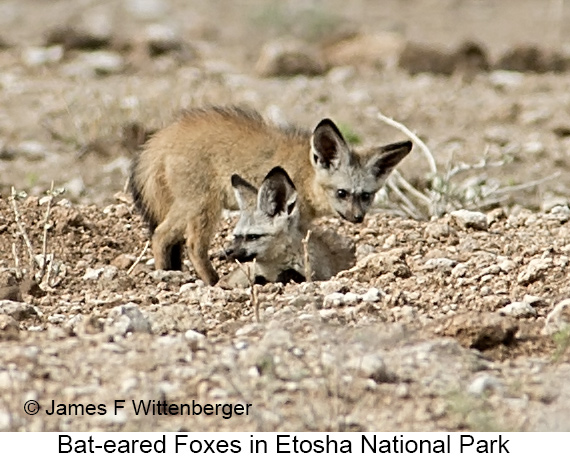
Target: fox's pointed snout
(239, 254)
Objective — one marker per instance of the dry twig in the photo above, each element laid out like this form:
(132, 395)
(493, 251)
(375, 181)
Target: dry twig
(139, 258)
(406, 131)
(19, 274)
(22, 230)
(45, 237)
(250, 275)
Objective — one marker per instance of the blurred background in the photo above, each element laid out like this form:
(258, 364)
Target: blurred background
(484, 83)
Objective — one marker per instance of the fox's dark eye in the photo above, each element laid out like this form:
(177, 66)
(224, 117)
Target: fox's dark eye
(365, 196)
(342, 194)
(252, 237)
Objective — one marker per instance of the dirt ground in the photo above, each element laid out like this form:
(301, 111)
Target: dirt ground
(458, 322)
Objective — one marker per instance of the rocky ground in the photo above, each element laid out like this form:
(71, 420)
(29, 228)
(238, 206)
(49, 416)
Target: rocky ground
(459, 322)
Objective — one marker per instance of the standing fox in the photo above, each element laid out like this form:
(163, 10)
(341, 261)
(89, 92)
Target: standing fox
(270, 230)
(181, 180)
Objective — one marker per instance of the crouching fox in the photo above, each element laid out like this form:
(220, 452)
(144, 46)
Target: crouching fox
(270, 231)
(181, 179)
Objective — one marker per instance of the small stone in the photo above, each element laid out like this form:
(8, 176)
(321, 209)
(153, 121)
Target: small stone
(327, 314)
(248, 329)
(534, 271)
(331, 286)
(350, 298)
(127, 318)
(172, 276)
(146, 9)
(441, 263)
(438, 230)
(32, 150)
(37, 56)
(533, 147)
(518, 309)
(161, 39)
(470, 219)
(289, 58)
(371, 366)
(507, 265)
(17, 310)
(72, 38)
(495, 215)
(92, 274)
(57, 318)
(506, 79)
(478, 331)
(109, 273)
(123, 261)
(459, 270)
(558, 319)
(405, 313)
(551, 201)
(534, 301)
(5, 421)
(9, 328)
(483, 384)
(402, 391)
(195, 339)
(372, 295)
(176, 318)
(560, 213)
(377, 50)
(333, 300)
(97, 63)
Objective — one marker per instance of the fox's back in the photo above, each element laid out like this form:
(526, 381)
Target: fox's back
(199, 152)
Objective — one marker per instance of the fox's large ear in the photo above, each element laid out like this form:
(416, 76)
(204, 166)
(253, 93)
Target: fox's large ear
(328, 146)
(246, 194)
(277, 193)
(385, 158)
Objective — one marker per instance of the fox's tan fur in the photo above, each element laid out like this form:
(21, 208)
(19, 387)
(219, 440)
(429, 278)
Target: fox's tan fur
(181, 179)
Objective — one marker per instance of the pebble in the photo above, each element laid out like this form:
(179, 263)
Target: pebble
(534, 301)
(32, 150)
(518, 309)
(5, 421)
(558, 319)
(327, 314)
(506, 79)
(483, 384)
(9, 328)
(560, 213)
(402, 391)
(195, 339)
(441, 263)
(147, 9)
(372, 295)
(35, 56)
(94, 63)
(92, 274)
(17, 310)
(534, 270)
(289, 58)
(333, 300)
(127, 318)
(470, 219)
(370, 366)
